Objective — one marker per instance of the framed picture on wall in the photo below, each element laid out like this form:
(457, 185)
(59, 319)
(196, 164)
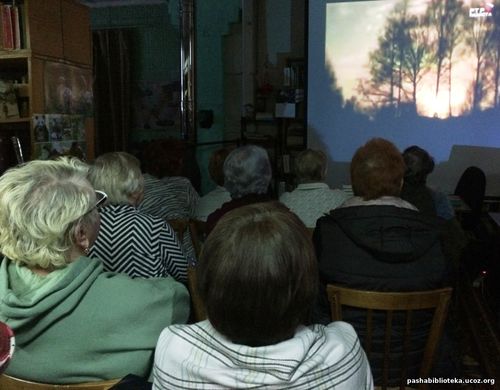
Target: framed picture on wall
(68, 89)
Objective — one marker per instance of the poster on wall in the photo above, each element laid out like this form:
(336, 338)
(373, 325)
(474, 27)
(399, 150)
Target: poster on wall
(57, 135)
(68, 89)
(156, 105)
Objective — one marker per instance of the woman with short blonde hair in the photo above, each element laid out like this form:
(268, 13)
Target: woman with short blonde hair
(119, 175)
(132, 241)
(45, 242)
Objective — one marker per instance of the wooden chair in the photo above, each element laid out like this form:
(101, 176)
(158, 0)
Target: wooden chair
(180, 226)
(391, 302)
(198, 308)
(10, 383)
(198, 230)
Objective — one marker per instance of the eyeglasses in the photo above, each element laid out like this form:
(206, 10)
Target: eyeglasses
(101, 197)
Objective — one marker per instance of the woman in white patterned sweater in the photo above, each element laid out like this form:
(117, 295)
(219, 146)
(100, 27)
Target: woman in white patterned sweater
(258, 278)
(312, 198)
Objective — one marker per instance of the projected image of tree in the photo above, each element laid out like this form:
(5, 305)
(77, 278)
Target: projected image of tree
(435, 59)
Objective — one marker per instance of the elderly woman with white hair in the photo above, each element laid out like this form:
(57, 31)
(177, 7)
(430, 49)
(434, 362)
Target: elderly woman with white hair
(73, 322)
(131, 241)
(247, 174)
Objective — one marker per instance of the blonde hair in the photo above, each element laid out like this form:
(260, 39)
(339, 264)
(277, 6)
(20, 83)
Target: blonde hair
(42, 204)
(118, 174)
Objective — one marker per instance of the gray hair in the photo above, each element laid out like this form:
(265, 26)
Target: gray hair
(247, 170)
(310, 166)
(118, 174)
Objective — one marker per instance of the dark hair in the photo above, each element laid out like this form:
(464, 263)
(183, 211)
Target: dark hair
(163, 157)
(377, 170)
(419, 164)
(257, 274)
(216, 165)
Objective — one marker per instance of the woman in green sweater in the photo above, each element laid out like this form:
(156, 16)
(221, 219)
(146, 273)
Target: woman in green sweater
(73, 321)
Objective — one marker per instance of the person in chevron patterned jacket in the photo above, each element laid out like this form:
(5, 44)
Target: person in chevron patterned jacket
(131, 241)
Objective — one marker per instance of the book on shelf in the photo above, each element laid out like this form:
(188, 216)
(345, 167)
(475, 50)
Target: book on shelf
(16, 32)
(7, 32)
(12, 26)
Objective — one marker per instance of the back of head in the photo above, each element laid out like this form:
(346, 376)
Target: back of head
(119, 175)
(258, 274)
(41, 203)
(419, 164)
(310, 166)
(377, 169)
(216, 165)
(247, 170)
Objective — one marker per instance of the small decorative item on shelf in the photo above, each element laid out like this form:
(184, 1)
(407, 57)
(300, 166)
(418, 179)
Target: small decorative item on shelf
(8, 101)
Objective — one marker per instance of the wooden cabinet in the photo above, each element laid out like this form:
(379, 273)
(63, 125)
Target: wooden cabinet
(55, 35)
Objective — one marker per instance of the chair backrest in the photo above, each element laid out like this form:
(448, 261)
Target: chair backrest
(180, 226)
(199, 312)
(390, 302)
(10, 383)
(198, 231)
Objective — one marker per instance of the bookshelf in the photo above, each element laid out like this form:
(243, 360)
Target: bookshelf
(52, 59)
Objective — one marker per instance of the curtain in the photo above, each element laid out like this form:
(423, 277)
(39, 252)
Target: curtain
(111, 90)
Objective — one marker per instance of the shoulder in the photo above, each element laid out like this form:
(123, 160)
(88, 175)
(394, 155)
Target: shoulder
(180, 337)
(286, 197)
(154, 288)
(164, 300)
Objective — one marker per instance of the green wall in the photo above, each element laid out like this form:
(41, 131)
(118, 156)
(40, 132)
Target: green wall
(156, 56)
(213, 18)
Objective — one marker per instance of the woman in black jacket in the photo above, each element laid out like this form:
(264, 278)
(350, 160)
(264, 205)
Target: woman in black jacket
(377, 241)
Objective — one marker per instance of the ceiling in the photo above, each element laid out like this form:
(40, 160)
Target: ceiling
(117, 3)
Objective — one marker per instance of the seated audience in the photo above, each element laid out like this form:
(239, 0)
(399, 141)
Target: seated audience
(247, 174)
(131, 241)
(419, 164)
(217, 197)
(312, 198)
(73, 322)
(378, 241)
(257, 276)
(162, 182)
(168, 195)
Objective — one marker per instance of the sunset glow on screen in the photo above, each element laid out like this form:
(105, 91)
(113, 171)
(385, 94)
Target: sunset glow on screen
(417, 72)
(356, 30)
